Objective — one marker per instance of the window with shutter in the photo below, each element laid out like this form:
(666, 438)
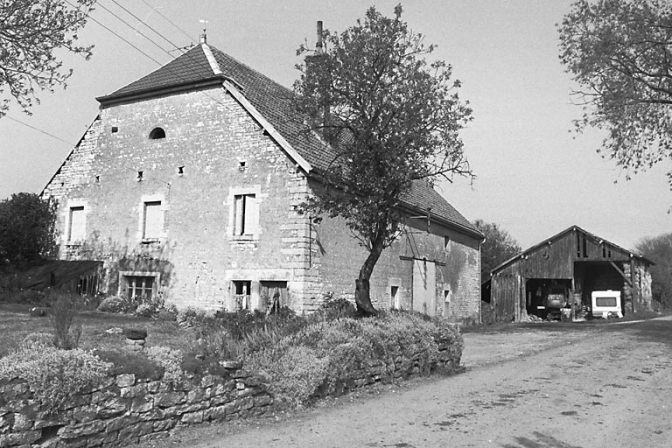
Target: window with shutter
(152, 221)
(246, 215)
(77, 228)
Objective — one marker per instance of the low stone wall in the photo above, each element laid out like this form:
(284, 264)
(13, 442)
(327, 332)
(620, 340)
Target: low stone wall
(125, 410)
(395, 368)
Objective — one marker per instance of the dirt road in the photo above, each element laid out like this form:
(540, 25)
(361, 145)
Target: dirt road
(543, 385)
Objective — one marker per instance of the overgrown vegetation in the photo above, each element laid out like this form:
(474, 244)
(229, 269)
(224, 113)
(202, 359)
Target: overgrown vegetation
(302, 356)
(659, 250)
(53, 375)
(63, 312)
(27, 230)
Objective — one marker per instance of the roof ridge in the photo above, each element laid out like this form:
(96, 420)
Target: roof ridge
(211, 59)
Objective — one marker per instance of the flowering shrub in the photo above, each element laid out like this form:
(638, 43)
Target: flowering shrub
(169, 359)
(114, 304)
(333, 353)
(145, 310)
(295, 372)
(53, 375)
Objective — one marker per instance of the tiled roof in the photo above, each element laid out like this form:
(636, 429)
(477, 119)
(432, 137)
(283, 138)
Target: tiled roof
(273, 102)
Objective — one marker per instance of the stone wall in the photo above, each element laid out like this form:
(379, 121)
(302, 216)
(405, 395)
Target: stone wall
(125, 410)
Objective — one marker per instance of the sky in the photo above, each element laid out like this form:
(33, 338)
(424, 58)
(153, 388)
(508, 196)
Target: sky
(535, 176)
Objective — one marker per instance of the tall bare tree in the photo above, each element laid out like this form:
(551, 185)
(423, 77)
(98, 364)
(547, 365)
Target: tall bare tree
(31, 32)
(392, 118)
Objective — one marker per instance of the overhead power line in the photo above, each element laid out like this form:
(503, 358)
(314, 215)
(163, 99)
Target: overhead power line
(143, 22)
(39, 130)
(169, 21)
(120, 37)
(135, 29)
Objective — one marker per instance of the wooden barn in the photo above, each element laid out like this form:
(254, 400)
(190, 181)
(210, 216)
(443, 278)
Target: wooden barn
(572, 264)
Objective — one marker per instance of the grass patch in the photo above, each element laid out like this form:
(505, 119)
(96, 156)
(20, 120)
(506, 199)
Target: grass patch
(17, 324)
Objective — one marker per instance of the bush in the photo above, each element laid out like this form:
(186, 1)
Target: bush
(170, 360)
(190, 317)
(341, 350)
(52, 374)
(123, 361)
(167, 314)
(145, 310)
(333, 309)
(63, 313)
(115, 304)
(296, 372)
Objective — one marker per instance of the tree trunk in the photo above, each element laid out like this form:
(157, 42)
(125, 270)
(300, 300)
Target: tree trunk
(362, 286)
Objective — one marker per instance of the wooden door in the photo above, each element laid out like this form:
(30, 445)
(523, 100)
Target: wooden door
(424, 287)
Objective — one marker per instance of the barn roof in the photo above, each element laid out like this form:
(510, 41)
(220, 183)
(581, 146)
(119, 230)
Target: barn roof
(560, 235)
(271, 105)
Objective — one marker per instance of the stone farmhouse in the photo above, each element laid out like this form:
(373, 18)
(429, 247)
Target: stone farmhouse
(186, 187)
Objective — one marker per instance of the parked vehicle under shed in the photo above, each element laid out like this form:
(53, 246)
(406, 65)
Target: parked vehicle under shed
(562, 272)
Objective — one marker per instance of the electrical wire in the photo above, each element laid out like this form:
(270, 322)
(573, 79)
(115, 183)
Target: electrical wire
(39, 130)
(143, 22)
(135, 29)
(120, 37)
(169, 21)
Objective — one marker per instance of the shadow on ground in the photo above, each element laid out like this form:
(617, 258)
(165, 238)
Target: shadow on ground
(539, 440)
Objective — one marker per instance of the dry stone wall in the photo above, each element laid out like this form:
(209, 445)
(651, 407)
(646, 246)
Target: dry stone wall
(124, 410)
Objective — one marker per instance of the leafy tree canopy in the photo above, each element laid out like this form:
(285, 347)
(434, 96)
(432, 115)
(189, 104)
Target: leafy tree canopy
(620, 53)
(27, 230)
(391, 117)
(659, 250)
(498, 247)
(31, 31)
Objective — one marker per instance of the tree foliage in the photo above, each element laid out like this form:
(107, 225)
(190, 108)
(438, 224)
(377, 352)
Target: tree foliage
(391, 117)
(27, 230)
(498, 247)
(659, 250)
(31, 32)
(620, 53)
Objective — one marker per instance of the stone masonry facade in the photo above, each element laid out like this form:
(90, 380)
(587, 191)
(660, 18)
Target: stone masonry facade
(195, 173)
(191, 198)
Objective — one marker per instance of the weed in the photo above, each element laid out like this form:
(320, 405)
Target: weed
(63, 313)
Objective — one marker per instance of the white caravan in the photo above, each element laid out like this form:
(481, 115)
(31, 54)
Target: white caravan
(606, 303)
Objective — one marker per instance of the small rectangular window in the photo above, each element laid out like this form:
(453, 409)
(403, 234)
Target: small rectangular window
(245, 215)
(77, 228)
(139, 288)
(152, 228)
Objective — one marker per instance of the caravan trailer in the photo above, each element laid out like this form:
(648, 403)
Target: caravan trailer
(606, 303)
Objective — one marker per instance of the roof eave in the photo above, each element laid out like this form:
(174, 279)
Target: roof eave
(412, 209)
(446, 222)
(116, 98)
